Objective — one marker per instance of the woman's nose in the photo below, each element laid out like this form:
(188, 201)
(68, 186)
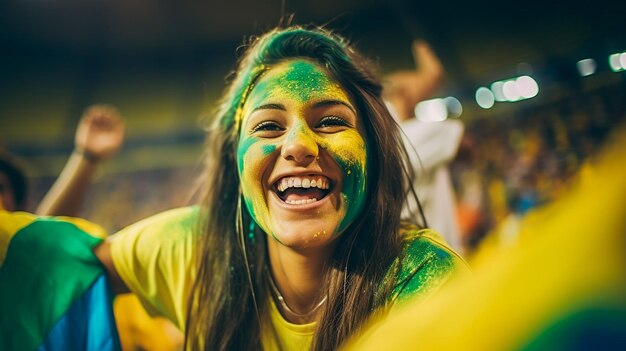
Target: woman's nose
(300, 145)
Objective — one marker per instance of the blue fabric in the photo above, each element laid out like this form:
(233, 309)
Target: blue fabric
(89, 324)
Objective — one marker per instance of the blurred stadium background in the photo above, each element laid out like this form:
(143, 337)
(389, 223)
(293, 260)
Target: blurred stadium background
(163, 64)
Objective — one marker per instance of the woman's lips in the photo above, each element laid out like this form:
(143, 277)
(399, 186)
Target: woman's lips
(300, 204)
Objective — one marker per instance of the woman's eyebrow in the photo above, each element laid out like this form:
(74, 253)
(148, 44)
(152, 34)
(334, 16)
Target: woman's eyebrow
(270, 107)
(325, 103)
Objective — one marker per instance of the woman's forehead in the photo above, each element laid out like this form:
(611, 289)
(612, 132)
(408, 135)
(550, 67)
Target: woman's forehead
(300, 80)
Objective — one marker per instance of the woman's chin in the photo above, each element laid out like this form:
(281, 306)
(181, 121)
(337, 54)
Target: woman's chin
(307, 234)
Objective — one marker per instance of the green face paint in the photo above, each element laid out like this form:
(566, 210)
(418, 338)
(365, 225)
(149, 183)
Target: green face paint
(285, 98)
(253, 148)
(354, 189)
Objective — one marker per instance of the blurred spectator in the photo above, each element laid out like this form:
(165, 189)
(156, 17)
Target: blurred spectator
(511, 164)
(99, 136)
(13, 185)
(431, 145)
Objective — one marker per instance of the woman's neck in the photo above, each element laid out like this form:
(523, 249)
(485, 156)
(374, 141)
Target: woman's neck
(299, 278)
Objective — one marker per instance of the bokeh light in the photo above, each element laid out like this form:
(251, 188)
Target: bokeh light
(527, 87)
(485, 98)
(454, 107)
(586, 67)
(622, 60)
(614, 62)
(509, 89)
(433, 110)
(497, 90)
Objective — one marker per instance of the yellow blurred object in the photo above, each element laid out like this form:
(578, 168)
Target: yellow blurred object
(497, 199)
(561, 287)
(139, 331)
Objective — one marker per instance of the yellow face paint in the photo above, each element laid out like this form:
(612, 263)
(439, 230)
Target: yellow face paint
(301, 105)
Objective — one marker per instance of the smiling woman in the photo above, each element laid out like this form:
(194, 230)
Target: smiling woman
(298, 239)
(306, 120)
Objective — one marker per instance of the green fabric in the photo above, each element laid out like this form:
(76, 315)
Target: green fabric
(49, 264)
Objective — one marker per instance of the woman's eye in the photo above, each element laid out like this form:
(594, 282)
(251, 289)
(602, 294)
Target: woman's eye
(333, 121)
(267, 126)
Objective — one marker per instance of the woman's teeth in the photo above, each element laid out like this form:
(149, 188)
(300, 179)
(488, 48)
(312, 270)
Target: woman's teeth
(319, 182)
(300, 202)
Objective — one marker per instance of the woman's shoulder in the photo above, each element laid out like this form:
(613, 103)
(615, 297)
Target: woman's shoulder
(423, 241)
(425, 263)
(169, 235)
(180, 215)
(172, 223)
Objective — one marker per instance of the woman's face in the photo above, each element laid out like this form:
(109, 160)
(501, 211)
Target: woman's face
(301, 155)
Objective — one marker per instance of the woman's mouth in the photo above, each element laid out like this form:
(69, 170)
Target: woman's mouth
(300, 190)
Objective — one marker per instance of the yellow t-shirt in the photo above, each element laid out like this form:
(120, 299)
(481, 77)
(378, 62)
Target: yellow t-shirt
(156, 259)
(290, 336)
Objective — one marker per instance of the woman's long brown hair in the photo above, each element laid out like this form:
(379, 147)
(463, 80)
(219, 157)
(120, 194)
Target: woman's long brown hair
(230, 291)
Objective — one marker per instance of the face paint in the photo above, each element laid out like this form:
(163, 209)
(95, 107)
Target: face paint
(351, 158)
(292, 108)
(253, 148)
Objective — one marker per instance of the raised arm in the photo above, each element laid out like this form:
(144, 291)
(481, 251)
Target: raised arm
(99, 135)
(404, 89)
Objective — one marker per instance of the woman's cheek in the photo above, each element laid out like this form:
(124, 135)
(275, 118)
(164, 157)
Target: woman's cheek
(349, 151)
(253, 158)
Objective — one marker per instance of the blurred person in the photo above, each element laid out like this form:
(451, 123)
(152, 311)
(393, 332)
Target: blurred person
(98, 137)
(13, 184)
(562, 286)
(54, 294)
(434, 144)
